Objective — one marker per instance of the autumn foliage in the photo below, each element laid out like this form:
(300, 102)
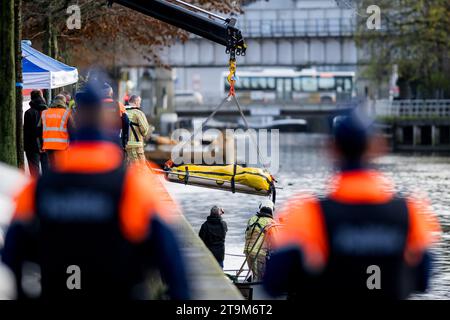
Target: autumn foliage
(105, 32)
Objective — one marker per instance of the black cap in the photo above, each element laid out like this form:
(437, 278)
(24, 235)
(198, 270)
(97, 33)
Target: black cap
(351, 135)
(89, 97)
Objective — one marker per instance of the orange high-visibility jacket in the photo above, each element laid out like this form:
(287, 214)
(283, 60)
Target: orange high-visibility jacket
(304, 223)
(136, 208)
(54, 128)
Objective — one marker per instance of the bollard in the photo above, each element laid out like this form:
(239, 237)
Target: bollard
(417, 138)
(435, 135)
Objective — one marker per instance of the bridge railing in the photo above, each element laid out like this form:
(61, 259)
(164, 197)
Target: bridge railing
(331, 27)
(410, 108)
(320, 27)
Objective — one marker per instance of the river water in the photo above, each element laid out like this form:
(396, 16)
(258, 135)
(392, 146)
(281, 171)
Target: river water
(304, 166)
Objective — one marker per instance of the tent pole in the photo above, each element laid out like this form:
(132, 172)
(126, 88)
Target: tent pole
(47, 96)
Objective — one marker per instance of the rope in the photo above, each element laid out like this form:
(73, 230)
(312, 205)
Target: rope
(251, 136)
(255, 261)
(232, 94)
(231, 78)
(264, 233)
(235, 255)
(254, 244)
(206, 121)
(233, 179)
(253, 230)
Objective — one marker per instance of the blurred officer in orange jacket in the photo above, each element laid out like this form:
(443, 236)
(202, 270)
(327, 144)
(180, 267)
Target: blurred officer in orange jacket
(362, 240)
(93, 215)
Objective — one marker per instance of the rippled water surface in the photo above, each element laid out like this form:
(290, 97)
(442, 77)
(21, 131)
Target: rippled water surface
(304, 167)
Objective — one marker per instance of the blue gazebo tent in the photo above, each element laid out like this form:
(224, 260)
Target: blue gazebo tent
(42, 72)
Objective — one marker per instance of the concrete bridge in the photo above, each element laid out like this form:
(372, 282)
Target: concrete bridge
(280, 33)
(290, 38)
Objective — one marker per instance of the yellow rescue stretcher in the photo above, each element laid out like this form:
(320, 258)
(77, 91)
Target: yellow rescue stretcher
(232, 178)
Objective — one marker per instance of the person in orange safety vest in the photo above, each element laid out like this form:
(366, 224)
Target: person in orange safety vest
(360, 241)
(94, 226)
(56, 123)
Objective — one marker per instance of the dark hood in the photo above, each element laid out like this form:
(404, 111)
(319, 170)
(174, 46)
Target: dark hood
(38, 104)
(214, 219)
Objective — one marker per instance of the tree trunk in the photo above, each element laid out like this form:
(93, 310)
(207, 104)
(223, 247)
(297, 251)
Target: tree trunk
(8, 151)
(50, 45)
(19, 81)
(50, 48)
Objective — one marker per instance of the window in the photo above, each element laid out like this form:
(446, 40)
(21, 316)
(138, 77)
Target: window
(254, 83)
(348, 84)
(287, 85)
(262, 84)
(270, 83)
(297, 85)
(339, 84)
(244, 83)
(309, 84)
(237, 84)
(327, 84)
(344, 84)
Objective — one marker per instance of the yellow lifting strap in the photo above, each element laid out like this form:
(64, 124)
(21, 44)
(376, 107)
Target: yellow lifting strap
(232, 76)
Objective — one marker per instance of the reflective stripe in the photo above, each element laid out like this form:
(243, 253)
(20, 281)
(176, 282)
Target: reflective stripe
(55, 129)
(43, 120)
(62, 127)
(64, 119)
(135, 144)
(56, 140)
(55, 134)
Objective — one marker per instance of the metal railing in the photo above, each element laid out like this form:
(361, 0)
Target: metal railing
(410, 108)
(331, 27)
(272, 108)
(296, 28)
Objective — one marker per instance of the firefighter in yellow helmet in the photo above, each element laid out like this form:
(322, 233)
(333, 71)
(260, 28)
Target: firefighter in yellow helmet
(139, 130)
(258, 238)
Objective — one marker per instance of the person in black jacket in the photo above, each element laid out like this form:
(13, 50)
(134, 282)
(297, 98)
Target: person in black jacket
(213, 233)
(32, 134)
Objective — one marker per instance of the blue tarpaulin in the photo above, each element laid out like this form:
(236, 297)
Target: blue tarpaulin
(42, 72)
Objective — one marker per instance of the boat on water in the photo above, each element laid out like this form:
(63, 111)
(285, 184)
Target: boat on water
(159, 150)
(284, 125)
